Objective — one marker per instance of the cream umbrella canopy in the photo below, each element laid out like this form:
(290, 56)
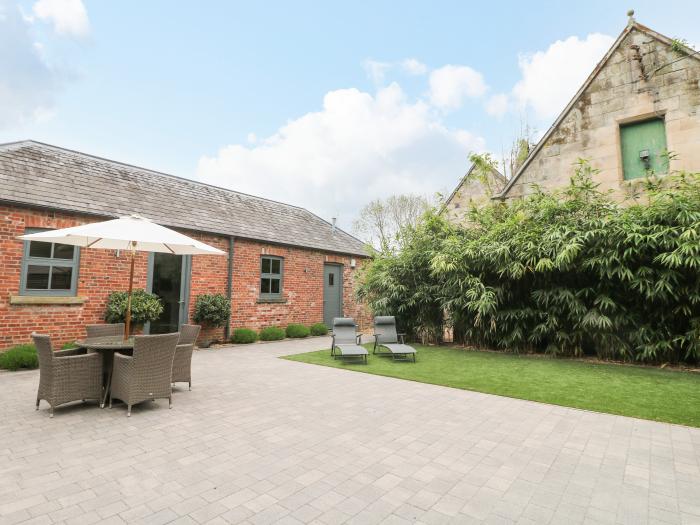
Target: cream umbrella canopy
(132, 233)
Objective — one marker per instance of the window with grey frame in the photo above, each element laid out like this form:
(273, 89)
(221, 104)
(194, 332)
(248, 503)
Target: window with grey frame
(49, 268)
(271, 269)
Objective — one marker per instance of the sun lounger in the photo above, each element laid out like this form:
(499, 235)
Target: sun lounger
(387, 341)
(346, 339)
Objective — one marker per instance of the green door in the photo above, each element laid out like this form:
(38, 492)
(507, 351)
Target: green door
(643, 148)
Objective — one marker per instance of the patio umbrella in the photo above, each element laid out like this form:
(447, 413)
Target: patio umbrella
(133, 233)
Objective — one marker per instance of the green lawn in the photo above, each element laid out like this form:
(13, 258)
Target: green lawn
(648, 393)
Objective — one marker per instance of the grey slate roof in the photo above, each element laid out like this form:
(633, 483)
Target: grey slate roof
(37, 174)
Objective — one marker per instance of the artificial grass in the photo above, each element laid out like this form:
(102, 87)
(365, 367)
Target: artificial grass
(647, 393)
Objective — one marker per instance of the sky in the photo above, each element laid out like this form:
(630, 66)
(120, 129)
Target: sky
(325, 105)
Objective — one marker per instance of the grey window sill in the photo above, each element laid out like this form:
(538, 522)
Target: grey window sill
(45, 299)
(277, 300)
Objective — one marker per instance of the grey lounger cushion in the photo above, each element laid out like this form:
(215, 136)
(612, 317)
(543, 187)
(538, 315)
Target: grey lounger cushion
(398, 348)
(350, 350)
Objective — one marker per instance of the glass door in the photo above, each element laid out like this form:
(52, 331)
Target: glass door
(168, 278)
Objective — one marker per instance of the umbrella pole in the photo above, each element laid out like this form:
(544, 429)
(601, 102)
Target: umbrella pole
(127, 326)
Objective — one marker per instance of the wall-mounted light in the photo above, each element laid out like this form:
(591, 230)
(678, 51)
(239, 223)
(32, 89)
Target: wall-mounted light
(353, 263)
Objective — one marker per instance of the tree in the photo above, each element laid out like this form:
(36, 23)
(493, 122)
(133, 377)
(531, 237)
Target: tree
(383, 223)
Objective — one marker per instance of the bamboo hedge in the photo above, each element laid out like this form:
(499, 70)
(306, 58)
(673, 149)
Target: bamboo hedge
(569, 273)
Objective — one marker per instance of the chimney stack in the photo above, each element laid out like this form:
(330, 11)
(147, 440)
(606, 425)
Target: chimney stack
(333, 225)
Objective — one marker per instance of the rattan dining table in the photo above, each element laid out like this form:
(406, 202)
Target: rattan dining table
(106, 346)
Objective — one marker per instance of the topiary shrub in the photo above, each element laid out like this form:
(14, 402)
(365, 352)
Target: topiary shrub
(318, 329)
(212, 309)
(298, 331)
(271, 333)
(21, 356)
(145, 307)
(244, 336)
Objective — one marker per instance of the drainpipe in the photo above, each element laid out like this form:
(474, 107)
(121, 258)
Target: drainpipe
(229, 284)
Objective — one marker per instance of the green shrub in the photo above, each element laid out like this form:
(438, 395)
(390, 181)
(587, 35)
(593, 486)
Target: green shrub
(570, 273)
(297, 331)
(68, 346)
(271, 333)
(145, 307)
(318, 329)
(212, 309)
(244, 336)
(21, 356)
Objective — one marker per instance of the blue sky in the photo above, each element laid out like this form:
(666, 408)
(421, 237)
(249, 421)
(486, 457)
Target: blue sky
(321, 104)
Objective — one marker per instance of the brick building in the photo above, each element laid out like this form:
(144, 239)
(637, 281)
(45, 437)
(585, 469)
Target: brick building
(641, 101)
(283, 265)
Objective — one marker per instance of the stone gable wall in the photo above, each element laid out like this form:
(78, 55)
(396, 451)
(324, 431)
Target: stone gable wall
(471, 191)
(616, 96)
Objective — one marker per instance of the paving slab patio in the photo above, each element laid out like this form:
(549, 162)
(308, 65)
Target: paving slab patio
(264, 440)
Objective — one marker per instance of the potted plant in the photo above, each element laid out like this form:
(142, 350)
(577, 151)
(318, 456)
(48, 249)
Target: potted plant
(212, 310)
(145, 307)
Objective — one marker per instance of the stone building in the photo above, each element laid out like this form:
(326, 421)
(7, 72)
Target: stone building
(641, 102)
(284, 264)
(477, 186)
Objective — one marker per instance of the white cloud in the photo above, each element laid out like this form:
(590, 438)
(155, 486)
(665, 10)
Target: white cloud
(551, 78)
(69, 17)
(27, 83)
(375, 70)
(358, 147)
(413, 66)
(450, 85)
(497, 105)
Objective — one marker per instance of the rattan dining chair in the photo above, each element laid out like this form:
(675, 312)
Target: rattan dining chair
(182, 364)
(105, 330)
(147, 374)
(66, 375)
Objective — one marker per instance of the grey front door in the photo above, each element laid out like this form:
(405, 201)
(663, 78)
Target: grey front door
(168, 278)
(332, 293)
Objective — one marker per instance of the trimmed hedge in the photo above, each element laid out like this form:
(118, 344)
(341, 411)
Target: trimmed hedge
(271, 333)
(244, 336)
(318, 329)
(297, 331)
(21, 356)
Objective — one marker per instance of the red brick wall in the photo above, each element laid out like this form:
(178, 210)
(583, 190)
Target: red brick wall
(101, 272)
(351, 307)
(209, 276)
(302, 286)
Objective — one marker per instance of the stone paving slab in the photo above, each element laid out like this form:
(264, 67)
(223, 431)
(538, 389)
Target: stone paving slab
(262, 440)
